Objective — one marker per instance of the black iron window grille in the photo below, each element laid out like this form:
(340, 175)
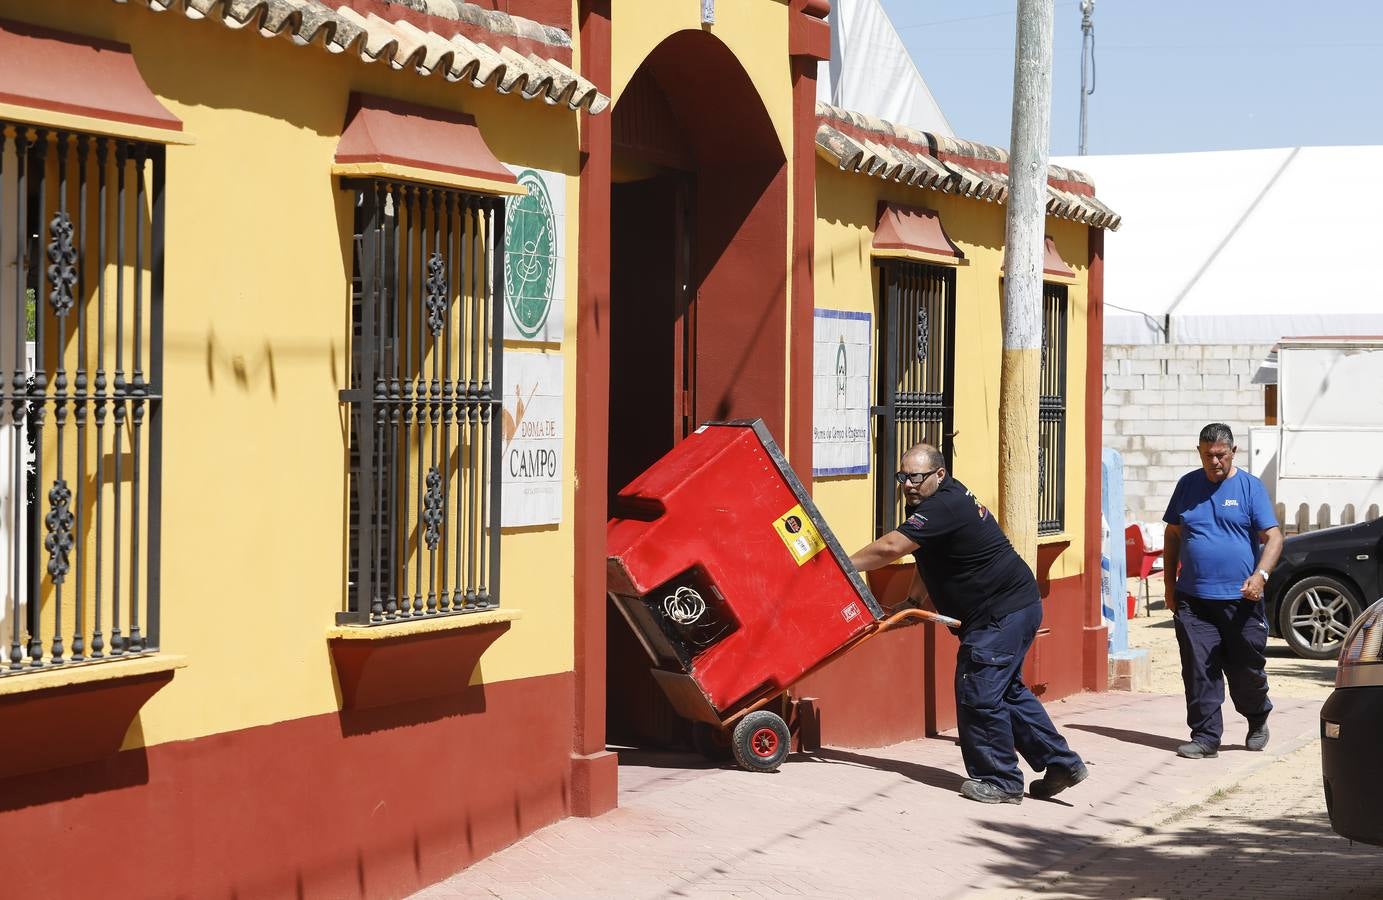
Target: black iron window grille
(1051, 414)
(916, 373)
(81, 375)
(426, 427)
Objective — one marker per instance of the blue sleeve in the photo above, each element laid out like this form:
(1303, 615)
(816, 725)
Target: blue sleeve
(1261, 509)
(1173, 514)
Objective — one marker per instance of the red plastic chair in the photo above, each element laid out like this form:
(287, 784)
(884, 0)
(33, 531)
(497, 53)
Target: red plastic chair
(1141, 561)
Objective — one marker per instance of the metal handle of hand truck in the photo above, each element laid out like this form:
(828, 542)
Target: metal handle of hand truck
(901, 618)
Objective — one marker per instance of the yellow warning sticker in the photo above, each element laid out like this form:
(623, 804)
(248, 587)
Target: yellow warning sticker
(799, 534)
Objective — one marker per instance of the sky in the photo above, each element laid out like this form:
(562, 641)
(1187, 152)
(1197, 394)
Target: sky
(1170, 75)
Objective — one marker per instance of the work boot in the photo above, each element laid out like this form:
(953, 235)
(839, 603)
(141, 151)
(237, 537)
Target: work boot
(1194, 750)
(1258, 737)
(984, 792)
(1056, 780)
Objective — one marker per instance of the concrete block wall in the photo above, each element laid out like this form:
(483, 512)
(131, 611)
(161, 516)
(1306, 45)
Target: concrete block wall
(1157, 398)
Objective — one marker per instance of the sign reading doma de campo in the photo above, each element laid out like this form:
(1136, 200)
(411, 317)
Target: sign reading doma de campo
(840, 393)
(532, 423)
(535, 257)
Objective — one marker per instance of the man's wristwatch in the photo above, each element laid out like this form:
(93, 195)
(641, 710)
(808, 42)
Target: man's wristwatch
(1264, 573)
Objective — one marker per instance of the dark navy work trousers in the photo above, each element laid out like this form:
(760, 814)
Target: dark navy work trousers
(998, 717)
(1222, 640)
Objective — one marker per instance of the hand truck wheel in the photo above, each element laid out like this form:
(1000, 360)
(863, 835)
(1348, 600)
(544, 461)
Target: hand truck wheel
(761, 741)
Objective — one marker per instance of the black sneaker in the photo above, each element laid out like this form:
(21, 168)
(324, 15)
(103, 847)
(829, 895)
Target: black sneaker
(1194, 750)
(1258, 737)
(984, 792)
(1056, 780)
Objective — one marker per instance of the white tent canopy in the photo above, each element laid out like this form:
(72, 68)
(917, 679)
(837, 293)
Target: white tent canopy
(871, 72)
(1241, 246)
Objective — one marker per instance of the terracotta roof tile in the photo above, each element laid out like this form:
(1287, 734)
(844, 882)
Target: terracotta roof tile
(867, 145)
(402, 45)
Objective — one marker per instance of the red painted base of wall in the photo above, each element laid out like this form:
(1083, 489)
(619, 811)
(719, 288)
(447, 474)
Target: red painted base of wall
(900, 685)
(873, 696)
(369, 803)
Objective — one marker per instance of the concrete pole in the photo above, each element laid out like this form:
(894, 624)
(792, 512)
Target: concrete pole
(1023, 249)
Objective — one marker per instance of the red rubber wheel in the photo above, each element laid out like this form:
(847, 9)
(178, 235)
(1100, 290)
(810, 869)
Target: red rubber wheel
(760, 741)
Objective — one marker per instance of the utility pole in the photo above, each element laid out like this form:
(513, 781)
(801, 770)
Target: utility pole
(1023, 250)
(1087, 63)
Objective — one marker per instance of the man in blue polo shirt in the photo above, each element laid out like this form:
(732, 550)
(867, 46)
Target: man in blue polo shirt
(1216, 520)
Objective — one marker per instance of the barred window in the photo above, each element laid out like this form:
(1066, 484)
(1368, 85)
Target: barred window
(1051, 416)
(424, 399)
(916, 373)
(81, 386)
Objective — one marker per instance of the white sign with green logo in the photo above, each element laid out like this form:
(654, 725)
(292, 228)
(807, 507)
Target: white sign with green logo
(535, 257)
(531, 463)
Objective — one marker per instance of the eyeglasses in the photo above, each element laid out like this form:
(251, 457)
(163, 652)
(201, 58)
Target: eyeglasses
(914, 478)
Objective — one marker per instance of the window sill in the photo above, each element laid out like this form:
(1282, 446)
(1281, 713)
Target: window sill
(83, 710)
(90, 672)
(426, 625)
(384, 665)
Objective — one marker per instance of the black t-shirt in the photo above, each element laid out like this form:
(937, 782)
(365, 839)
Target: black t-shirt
(971, 570)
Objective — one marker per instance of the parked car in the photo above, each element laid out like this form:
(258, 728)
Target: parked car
(1321, 583)
(1352, 733)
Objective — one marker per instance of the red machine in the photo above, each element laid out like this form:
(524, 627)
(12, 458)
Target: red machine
(734, 585)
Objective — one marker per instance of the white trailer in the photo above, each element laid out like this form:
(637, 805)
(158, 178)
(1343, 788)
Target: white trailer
(1323, 460)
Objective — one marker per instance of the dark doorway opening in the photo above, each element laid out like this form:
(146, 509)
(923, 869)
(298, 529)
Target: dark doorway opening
(652, 315)
(652, 363)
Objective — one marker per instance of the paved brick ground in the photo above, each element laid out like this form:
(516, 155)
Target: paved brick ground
(889, 823)
(1267, 836)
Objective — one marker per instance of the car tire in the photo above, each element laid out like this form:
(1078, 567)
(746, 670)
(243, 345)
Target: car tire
(1314, 615)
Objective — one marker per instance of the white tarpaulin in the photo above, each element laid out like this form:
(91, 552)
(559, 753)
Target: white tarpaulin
(532, 457)
(840, 393)
(871, 72)
(1240, 246)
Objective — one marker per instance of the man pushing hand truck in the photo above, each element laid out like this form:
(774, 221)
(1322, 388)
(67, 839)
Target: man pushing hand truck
(968, 570)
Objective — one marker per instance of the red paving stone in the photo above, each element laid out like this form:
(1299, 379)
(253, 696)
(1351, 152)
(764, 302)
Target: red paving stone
(876, 822)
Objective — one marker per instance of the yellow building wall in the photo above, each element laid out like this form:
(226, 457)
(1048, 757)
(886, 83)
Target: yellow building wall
(756, 31)
(257, 321)
(257, 317)
(847, 209)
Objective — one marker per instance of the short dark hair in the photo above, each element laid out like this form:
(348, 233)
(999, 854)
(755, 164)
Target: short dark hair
(1217, 433)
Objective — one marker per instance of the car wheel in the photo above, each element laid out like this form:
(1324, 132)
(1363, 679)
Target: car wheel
(1316, 613)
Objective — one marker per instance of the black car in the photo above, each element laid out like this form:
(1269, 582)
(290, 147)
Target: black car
(1321, 583)
(1352, 733)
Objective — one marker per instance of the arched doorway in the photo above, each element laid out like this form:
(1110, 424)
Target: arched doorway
(698, 293)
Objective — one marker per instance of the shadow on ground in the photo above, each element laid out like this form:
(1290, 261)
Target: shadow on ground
(1128, 736)
(664, 759)
(1303, 858)
(931, 776)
